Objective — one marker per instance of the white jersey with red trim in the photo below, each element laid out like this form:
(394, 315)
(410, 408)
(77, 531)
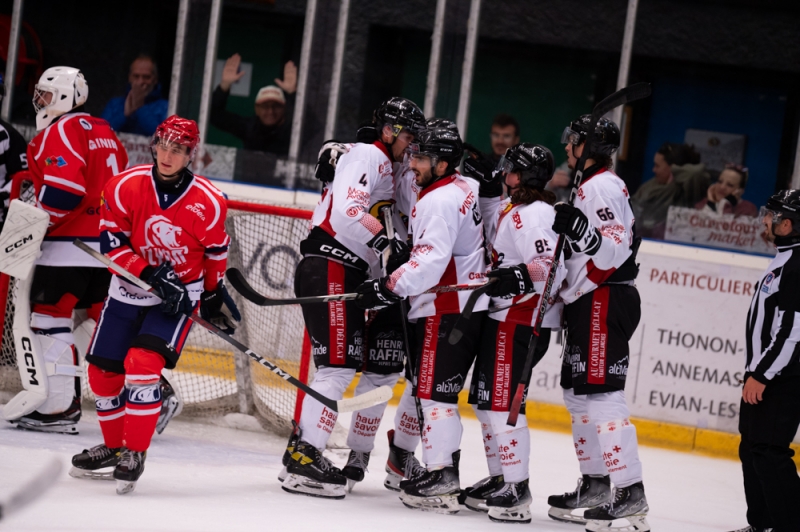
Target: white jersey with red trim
(525, 236)
(447, 230)
(349, 206)
(603, 198)
(144, 226)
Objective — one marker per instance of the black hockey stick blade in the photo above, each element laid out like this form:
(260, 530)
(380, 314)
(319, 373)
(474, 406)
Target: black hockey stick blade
(32, 490)
(238, 282)
(628, 94)
(463, 319)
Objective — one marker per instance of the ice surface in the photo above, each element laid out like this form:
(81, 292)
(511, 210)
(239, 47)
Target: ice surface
(209, 477)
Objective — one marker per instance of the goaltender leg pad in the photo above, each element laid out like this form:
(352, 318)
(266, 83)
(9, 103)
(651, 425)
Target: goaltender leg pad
(364, 423)
(21, 238)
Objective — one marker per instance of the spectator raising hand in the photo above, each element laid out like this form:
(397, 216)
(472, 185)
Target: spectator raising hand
(289, 81)
(230, 72)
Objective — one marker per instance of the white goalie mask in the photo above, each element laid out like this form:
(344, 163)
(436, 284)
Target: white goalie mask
(60, 90)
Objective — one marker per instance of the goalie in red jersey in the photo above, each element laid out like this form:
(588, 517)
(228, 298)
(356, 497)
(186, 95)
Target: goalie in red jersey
(167, 226)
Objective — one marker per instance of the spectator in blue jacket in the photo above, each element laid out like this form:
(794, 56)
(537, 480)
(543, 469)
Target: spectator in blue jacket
(143, 108)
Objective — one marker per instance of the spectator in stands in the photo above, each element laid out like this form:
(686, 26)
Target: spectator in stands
(679, 179)
(725, 196)
(504, 134)
(143, 108)
(270, 128)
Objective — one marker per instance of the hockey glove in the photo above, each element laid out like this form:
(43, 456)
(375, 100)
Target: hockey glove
(218, 307)
(510, 282)
(367, 133)
(572, 223)
(328, 156)
(373, 295)
(174, 295)
(480, 167)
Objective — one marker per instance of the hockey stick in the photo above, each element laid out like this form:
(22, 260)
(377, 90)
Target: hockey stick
(238, 281)
(365, 400)
(387, 218)
(32, 490)
(463, 319)
(634, 92)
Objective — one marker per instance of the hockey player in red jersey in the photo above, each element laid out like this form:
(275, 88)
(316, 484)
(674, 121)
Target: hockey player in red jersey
(601, 313)
(71, 159)
(341, 251)
(448, 248)
(523, 248)
(167, 226)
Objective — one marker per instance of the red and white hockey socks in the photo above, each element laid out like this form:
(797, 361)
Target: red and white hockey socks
(109, 390)
(142, 375)
(513, 446)
(442, 433)
(406, 425)
(489, 441)
(316, 420)
(617, 437)
(584, 436)
(364, 423)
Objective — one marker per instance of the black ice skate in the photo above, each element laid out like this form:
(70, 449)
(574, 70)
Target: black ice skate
(90, 462)
(752, 529)
(475, 496)
(294, 437)
(354, 470)
(511, 503)
(591, 492)
(435, 491)
(63, 423)
(628, 503)
(128, 470)
(171, 404)
(310, 473)
(401, 465)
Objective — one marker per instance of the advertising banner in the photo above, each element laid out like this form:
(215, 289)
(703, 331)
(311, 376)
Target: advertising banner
(742, 233)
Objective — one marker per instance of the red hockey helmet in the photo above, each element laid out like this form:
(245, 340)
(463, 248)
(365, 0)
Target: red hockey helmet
(179, 130)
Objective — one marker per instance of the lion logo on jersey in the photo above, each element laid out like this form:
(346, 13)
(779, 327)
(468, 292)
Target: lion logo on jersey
(161, 241)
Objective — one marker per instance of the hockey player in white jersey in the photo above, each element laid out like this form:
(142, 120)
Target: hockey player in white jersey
(341, 251)
(523, 255)
(601, 313)
(448, 248)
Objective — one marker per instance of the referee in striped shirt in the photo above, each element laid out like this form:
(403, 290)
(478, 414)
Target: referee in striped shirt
(770, 408)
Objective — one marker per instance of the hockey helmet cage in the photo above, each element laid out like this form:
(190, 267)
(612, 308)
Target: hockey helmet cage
(60, 90)
(399, 113)
(178, 130)
(534, 162)
(606, 134)
(784, 205)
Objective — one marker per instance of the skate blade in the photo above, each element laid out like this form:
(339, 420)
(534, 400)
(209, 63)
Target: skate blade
(514, 514)
(283, 474)
(440, 504)
(97, 474)
(350, 485)
(631, 523)
(476, 505)
(125, 486)
(565, 515)
(306, 486)
(57, 428)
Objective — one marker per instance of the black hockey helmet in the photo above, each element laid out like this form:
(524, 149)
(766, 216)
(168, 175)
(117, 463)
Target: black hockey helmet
(400, 113)
(606, 134)
(784, 205)
(534, 162)
(442, 122)
(440, 144)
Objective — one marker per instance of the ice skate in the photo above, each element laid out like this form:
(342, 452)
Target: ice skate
(287, 454)
(625, 512)
(310, 473)
(752, 529)
(435, 491)
(475, 496)
(128, 470)
(591, 492)
(63, 423)
(511, 503)
(90, 462)
(401, 465)
(171, 404)
(354, 470)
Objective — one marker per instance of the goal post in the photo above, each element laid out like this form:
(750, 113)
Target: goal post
(213, 379)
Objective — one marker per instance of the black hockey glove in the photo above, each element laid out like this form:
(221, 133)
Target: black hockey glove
(218, 307)
(367, 133)
(399, 256)
(328, 157)
(572, 223)
(480, 167)
(373, 295)
(174, 295)
(510, 282)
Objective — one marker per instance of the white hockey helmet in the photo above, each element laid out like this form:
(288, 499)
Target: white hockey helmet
(60, 90)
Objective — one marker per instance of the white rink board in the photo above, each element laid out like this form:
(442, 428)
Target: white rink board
(689, 349)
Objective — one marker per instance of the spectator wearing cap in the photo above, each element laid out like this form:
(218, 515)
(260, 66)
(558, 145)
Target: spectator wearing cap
(270, 128)
(725, 196)
(143, 107)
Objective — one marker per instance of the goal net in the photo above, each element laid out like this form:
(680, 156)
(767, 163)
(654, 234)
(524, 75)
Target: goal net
(211, 376)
